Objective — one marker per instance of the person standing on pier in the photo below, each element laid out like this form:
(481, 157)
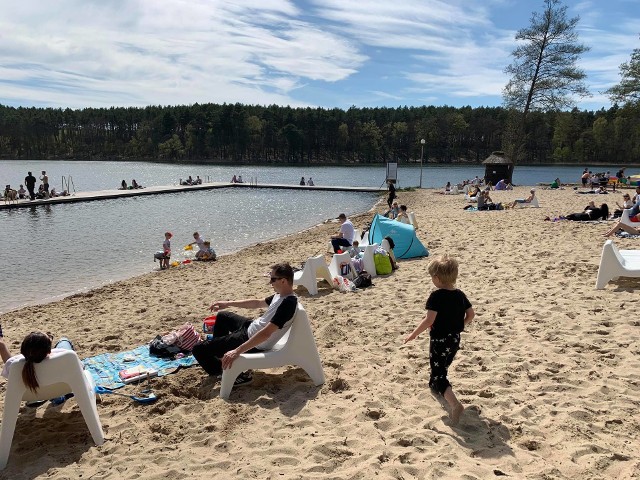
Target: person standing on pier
(45, 181)
(30, 182)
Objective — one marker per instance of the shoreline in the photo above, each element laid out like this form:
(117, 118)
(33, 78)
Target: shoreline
(90, 289)
(546, 371)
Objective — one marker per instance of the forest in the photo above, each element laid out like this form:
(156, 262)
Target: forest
(237, 133)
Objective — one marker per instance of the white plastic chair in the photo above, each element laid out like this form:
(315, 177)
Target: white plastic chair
(334, 266)
(625, 218)
(616, 263)
(297, 347)
(57, 376)
(412, 220)
(367, 260)
(533, 203)
(314, 268)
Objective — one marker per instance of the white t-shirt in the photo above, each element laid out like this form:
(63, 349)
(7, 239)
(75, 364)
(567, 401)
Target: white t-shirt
(200, 243)
(5, 370)
(347, 230)
(280, 312)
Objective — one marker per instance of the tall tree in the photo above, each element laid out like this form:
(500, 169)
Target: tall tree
(628, 90)
(544, 74)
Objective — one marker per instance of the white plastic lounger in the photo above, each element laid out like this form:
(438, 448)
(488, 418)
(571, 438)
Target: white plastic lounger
(297, 347)
(616, 263)
(315, 268)
(57, 376)
(367, 260)
(340, 258)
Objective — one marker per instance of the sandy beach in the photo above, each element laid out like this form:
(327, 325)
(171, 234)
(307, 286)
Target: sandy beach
(549, 371)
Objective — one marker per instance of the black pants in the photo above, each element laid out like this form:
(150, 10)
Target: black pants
(441, 353)
(229, 332)
(339, 242)
(31, 193)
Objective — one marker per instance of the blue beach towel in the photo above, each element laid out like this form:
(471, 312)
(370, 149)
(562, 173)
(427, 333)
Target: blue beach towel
(104, 368)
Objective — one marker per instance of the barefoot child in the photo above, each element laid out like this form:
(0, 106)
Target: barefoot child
(448, 311)
(198, 240)
(165, 255)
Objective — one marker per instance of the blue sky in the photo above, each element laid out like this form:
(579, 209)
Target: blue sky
(328, 53)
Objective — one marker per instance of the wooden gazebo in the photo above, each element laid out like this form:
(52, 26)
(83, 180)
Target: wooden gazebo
(497, 167)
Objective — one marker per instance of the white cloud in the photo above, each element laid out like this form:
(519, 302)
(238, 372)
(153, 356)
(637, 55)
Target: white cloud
(321, 52)
(147, 52)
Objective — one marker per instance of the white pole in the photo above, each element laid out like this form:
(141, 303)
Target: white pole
(422, 142)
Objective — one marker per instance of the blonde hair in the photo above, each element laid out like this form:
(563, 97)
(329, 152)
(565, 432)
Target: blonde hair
(445, 268)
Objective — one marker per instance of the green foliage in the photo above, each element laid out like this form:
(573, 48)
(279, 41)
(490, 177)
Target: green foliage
(544, 73)
(257, 134)
(628, 90)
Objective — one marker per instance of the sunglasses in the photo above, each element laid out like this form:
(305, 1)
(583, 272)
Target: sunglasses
(273, 279)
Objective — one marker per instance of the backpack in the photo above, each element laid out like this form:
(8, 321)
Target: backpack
(363, 280)
(158, 348)
(383, 264)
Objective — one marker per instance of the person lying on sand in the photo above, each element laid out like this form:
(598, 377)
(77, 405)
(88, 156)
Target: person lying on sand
(591, 212)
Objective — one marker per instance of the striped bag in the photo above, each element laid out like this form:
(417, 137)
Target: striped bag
(188, 337)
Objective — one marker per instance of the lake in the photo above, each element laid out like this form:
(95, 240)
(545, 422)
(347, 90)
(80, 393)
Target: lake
(49, 252)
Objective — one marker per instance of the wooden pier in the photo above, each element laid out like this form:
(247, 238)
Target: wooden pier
(110, 194)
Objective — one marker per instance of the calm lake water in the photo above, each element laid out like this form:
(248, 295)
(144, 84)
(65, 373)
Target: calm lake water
(49, 252)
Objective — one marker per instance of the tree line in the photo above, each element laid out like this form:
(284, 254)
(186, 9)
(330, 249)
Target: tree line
(274, 134)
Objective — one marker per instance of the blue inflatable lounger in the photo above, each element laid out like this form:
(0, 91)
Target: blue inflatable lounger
(404, 236)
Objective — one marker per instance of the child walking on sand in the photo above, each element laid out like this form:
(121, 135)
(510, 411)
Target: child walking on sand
(165, 254)
(448, 311)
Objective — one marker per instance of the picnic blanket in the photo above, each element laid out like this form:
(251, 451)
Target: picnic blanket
(104, 368)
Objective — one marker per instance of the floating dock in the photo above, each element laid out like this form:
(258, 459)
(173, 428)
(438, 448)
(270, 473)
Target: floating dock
(110, 194)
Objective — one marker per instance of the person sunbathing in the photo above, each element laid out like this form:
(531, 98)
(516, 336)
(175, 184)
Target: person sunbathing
(591, 212)
(623, 227)
(529, 199)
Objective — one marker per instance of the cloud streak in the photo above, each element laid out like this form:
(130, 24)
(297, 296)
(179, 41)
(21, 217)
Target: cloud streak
(74, 53)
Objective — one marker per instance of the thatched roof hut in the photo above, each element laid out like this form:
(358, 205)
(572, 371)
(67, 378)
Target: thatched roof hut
(497, 167)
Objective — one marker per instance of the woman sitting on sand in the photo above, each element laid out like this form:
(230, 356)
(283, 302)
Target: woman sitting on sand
(591, 212)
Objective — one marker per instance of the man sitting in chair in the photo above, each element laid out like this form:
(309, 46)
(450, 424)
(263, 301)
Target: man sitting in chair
(234, 334)
(345, 234)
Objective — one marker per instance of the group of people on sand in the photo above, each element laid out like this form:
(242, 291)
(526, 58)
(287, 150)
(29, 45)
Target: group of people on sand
(205, 251)
(592, 212)
(30, 181)
(448, 311)
(308, 182)
(398, 212)
(134, 185)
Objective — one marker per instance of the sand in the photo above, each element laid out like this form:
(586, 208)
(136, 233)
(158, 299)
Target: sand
(548, 371)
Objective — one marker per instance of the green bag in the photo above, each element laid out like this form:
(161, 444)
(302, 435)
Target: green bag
(383, 264)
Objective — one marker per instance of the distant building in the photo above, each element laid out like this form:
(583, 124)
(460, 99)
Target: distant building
(497, 167)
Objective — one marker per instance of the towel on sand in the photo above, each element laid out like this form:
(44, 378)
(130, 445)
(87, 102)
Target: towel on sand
(105, 367)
